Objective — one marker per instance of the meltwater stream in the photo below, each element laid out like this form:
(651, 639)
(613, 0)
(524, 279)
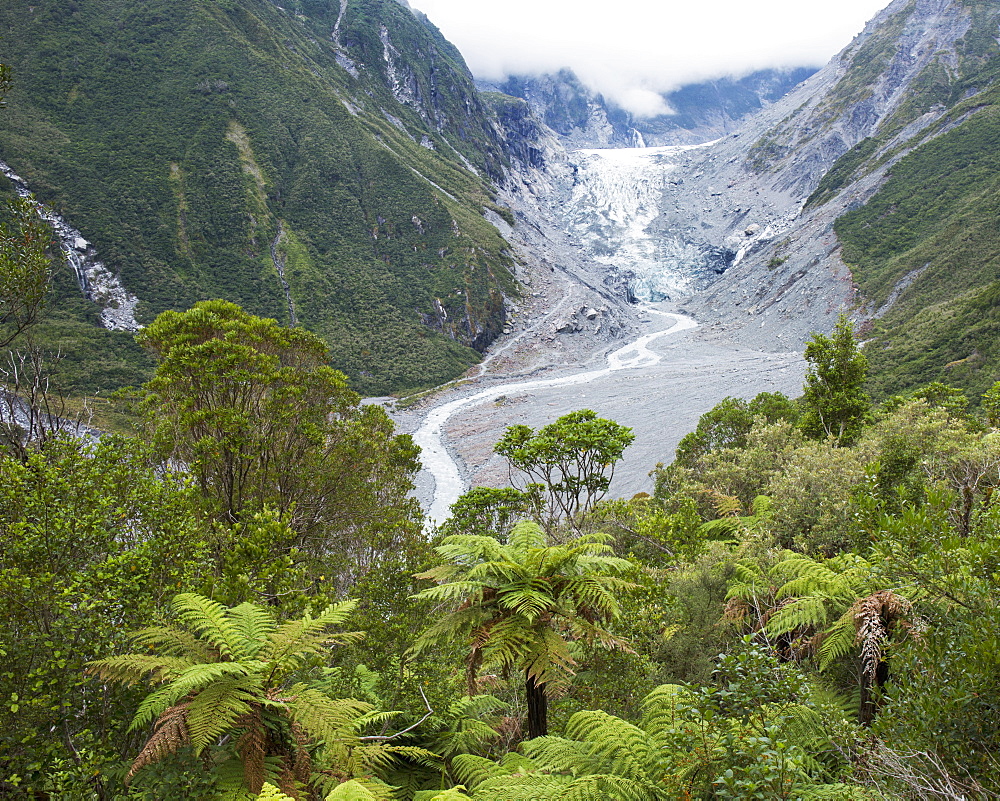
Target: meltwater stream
(448, 483)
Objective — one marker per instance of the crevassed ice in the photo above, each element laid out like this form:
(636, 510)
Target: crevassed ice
(615, 199)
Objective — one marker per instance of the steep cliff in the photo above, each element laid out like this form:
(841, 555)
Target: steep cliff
(318, 162)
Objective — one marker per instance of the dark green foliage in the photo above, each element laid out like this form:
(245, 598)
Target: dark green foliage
(270, 153)
(728, 423)
(263, 423)
(925, 247)
(24, 270)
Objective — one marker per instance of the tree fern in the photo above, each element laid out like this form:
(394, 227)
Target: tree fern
(517, 605)
(224, 680)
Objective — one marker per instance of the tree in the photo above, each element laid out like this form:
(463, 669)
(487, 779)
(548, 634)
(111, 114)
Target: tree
(24, 269)
(835, 606)
(260, 419)
(225, 683)
(728, 424)
(836, 404)
(991, 405)
(518, 606)
(573, 459)
(95, 541)
(491, 510)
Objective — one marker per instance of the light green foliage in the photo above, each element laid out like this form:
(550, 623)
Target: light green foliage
(834, 401)
(520, 605)
(454, 794)
(95, 540)
(573, 459)
(261, 420)
(812, 498)
(991, 405)
(643, 528)
(233, 671)
(351, 791)
(493, 511)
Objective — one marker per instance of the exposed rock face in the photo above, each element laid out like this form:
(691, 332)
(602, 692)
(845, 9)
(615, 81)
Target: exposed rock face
(747, 194)
(725, 229)
(701, 112)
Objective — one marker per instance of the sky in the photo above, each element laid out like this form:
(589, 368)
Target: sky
(631, 50)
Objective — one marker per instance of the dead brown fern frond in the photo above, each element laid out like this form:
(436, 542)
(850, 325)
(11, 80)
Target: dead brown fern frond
(170, 734)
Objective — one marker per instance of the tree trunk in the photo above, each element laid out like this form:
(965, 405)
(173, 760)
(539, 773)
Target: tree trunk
(538, 708)
(871, 693)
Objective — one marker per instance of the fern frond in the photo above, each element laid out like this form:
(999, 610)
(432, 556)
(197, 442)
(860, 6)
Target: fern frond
(808, 611)
(663, 709)
(208, 620)
(253, 624)
(452, 593)
(619, 747)
(590, 788)
(169, 736)
(293, 642)
(560, 755)
(324, 718)
(215, 708)
(529, 787)
(351, 791)
(252, 748)
(133, 668)
(839, 640)
(525, 536)
(173, 641)
(454, 794)
(472, 770)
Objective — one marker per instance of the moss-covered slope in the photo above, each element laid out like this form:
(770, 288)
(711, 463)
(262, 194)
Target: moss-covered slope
(206, 146)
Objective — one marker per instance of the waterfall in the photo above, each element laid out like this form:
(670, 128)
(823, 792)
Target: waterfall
(97, 283)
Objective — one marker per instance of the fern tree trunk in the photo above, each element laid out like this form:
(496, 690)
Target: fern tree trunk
(538, 707)
(871, 693)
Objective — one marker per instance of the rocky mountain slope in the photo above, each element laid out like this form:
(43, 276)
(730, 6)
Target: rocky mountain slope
(700, 112)
(871, 188)
(321, 162)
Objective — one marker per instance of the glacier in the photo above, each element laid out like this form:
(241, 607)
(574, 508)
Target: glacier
(617, 196)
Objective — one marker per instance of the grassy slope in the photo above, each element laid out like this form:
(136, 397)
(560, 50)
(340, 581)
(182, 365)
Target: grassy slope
(180, 137)
(935, 218)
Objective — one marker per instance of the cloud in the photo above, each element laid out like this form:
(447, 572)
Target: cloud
(631, 50)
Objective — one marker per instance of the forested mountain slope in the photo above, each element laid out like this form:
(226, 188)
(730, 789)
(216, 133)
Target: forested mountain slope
(310, 162)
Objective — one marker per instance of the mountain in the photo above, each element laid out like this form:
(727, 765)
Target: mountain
(872, 188)
(315, 162)
(701, 112)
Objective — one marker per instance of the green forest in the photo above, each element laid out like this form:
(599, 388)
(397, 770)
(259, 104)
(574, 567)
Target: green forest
(235, 596)
(236, 149)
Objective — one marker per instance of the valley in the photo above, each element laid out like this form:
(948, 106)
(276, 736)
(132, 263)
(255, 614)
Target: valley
(600, 333)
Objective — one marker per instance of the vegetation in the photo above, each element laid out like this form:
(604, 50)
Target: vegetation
(800, 611)
(280, 162)
(808, 606)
